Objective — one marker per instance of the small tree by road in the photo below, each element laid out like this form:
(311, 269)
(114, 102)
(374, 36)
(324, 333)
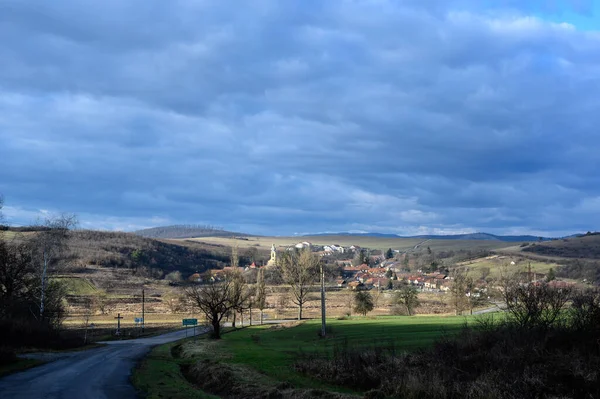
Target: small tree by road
(363, 302)
(215, 300)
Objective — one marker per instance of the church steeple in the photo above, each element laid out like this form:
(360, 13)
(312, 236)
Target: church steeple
(273, 260)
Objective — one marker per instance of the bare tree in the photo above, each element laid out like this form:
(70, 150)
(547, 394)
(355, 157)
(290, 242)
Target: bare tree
(485, 272)
(18, 278)
(533, 305)
(214, 300)
(48, 244)
(87, 315)
(458, 292)
(239, 293)
(300, 270)
(174, 302)
(100, 302)
(260, 298)
(235, 259)
(407, 297)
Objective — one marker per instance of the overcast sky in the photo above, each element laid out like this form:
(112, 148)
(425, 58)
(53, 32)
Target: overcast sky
(283, 117)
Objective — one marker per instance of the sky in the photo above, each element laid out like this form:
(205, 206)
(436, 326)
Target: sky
(289, 117)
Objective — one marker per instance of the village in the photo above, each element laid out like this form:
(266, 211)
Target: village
(378, 271)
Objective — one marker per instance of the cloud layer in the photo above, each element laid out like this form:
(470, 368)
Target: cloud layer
(282, 117)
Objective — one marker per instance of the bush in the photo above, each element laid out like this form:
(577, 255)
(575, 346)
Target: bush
(496, 360)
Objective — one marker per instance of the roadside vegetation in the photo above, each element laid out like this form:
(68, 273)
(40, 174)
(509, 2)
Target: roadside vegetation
(544, 346)
(259, 361)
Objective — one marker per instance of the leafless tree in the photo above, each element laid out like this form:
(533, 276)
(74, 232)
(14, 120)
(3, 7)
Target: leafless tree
(300, 270)
(260, 298)
(47, 246)
(100, 302)
(214, 300)
(239, 293)
(174, 302)
(534, 305)
(458, 291)
(485, 272)
(235, 259)
(18, 278)
(87, 314)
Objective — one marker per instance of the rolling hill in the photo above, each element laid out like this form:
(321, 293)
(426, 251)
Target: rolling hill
(470, 236)
(186, 231)
(586, 246)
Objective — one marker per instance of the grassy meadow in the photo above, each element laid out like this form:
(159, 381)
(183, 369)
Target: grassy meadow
(498, 264)
(254, 359)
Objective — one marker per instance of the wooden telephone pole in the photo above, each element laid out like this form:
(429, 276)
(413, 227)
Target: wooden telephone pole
(143, 315)
(323, 326)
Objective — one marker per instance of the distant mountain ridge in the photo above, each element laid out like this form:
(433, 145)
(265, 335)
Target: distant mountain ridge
(469, 236)
(186, 231)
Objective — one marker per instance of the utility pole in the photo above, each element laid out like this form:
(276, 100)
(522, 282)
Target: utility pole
(143, 315)
(323, 329)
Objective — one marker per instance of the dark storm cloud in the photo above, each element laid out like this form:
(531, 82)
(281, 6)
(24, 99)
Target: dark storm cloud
(282, 117)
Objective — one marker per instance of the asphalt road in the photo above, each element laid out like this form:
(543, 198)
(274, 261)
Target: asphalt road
(101, 373)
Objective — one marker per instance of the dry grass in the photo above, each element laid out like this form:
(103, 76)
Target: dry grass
(382, 243)
(498, 263)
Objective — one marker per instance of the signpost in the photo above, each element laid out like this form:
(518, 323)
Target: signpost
(190, 322)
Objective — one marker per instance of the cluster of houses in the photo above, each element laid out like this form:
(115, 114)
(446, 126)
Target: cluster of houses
(214, 275)
(326, 249)
(365, 277)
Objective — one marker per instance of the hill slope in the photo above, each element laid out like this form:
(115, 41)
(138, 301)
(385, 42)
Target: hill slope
(587, 246)
(127, 250)
(470, 236)
(185, 231)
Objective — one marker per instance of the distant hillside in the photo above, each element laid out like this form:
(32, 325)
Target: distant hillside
(127, 250)
(584, 246)
(186, 231)
(470, 236)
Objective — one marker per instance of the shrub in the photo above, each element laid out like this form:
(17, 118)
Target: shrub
(496, 360)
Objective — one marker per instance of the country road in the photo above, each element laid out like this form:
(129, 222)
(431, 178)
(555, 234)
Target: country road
(101, 373)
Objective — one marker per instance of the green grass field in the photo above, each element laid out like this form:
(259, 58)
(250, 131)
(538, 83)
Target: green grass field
(77, 285)
(266, 354)
(273, 350)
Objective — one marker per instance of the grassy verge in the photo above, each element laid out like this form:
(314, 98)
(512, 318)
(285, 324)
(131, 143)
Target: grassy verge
(19, 365)
(159, 376)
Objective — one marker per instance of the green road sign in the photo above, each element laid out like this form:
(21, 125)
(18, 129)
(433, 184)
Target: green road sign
(190, 322)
